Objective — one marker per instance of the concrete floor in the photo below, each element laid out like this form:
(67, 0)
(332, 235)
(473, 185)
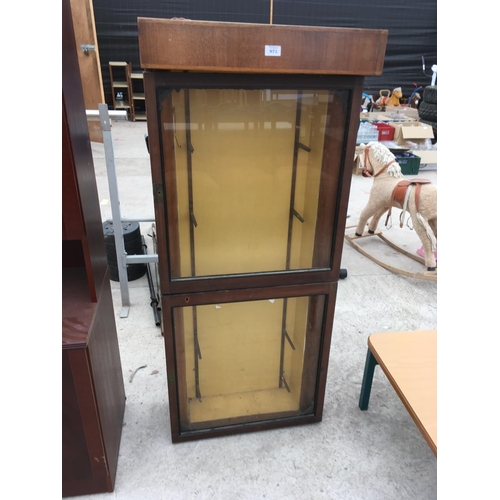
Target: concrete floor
(351, 455)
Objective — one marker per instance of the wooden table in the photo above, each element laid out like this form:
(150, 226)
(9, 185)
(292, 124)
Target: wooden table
(409, 360)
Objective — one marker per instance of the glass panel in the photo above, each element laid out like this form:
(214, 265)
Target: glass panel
(247, 361)
(247, 165)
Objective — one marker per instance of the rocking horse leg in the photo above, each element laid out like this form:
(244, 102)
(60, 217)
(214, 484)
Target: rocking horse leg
(434, 227)
(372, 227)
(430, 260)
(366, 213)
(433, 224)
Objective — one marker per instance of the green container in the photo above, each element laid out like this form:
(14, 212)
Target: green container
(409, 163)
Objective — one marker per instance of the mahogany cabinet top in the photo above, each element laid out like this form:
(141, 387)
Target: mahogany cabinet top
(179, 44)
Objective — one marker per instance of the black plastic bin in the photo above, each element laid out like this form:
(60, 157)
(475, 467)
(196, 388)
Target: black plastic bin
(133, 246)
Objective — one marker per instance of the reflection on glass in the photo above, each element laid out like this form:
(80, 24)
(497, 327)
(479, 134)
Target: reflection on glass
(246, 166)
(247, 361)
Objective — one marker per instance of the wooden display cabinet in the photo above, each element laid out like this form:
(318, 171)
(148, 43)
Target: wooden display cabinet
(252, 132)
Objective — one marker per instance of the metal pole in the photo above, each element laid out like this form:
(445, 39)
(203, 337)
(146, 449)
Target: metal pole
(115, 208)
(139, 259)
(152, 292)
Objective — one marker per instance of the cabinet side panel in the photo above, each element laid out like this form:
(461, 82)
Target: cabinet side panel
(94, 476)
(76, 127)
(345, 177)
(330, 174)
(108, 377)
(159, 186)
(75, 458)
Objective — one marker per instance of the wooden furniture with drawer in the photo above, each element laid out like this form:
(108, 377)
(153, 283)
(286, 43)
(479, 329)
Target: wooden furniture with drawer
(93, 394)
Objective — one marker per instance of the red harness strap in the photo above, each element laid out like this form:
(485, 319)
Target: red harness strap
(399, 193)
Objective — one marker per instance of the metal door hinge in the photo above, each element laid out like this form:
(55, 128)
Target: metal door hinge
(86, 48)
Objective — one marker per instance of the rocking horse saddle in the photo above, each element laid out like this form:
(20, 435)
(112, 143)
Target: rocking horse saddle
(399, 194)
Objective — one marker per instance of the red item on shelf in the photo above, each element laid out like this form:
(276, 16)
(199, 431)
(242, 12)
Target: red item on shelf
(385, 131)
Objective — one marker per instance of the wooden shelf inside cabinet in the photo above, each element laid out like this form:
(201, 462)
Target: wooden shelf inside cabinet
(138, 96)
(121, 86)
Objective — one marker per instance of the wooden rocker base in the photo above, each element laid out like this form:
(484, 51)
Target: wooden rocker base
(423, 275)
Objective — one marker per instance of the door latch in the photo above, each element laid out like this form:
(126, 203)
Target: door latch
(86, 48)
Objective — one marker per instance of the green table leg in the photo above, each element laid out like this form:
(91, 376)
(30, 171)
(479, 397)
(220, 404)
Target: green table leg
(366, 386)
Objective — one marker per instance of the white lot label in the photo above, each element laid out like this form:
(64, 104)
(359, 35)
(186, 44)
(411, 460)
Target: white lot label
(272, 50)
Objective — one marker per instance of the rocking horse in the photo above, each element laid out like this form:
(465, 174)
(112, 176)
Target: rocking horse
(418, 197)
(394, 99)
(388, 99)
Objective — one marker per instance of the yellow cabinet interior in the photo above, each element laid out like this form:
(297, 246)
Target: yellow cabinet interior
(242, 157)
(243, 360)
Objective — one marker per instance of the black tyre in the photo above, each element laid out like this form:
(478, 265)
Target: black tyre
(430, 94)
(131, 231)
(133, 246)
(427, 112)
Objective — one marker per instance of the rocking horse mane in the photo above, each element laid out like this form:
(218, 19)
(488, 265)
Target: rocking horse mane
(383, 156)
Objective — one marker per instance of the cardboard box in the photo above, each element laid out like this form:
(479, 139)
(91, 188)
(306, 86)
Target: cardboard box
(427, 157)
(408, 131)
(414, 136)
(412, 132)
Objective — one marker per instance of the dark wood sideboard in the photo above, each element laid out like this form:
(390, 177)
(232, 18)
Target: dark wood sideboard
(93, 394)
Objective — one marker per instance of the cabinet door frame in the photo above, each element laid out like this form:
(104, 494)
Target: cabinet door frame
(334, 185)
(315, 372)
